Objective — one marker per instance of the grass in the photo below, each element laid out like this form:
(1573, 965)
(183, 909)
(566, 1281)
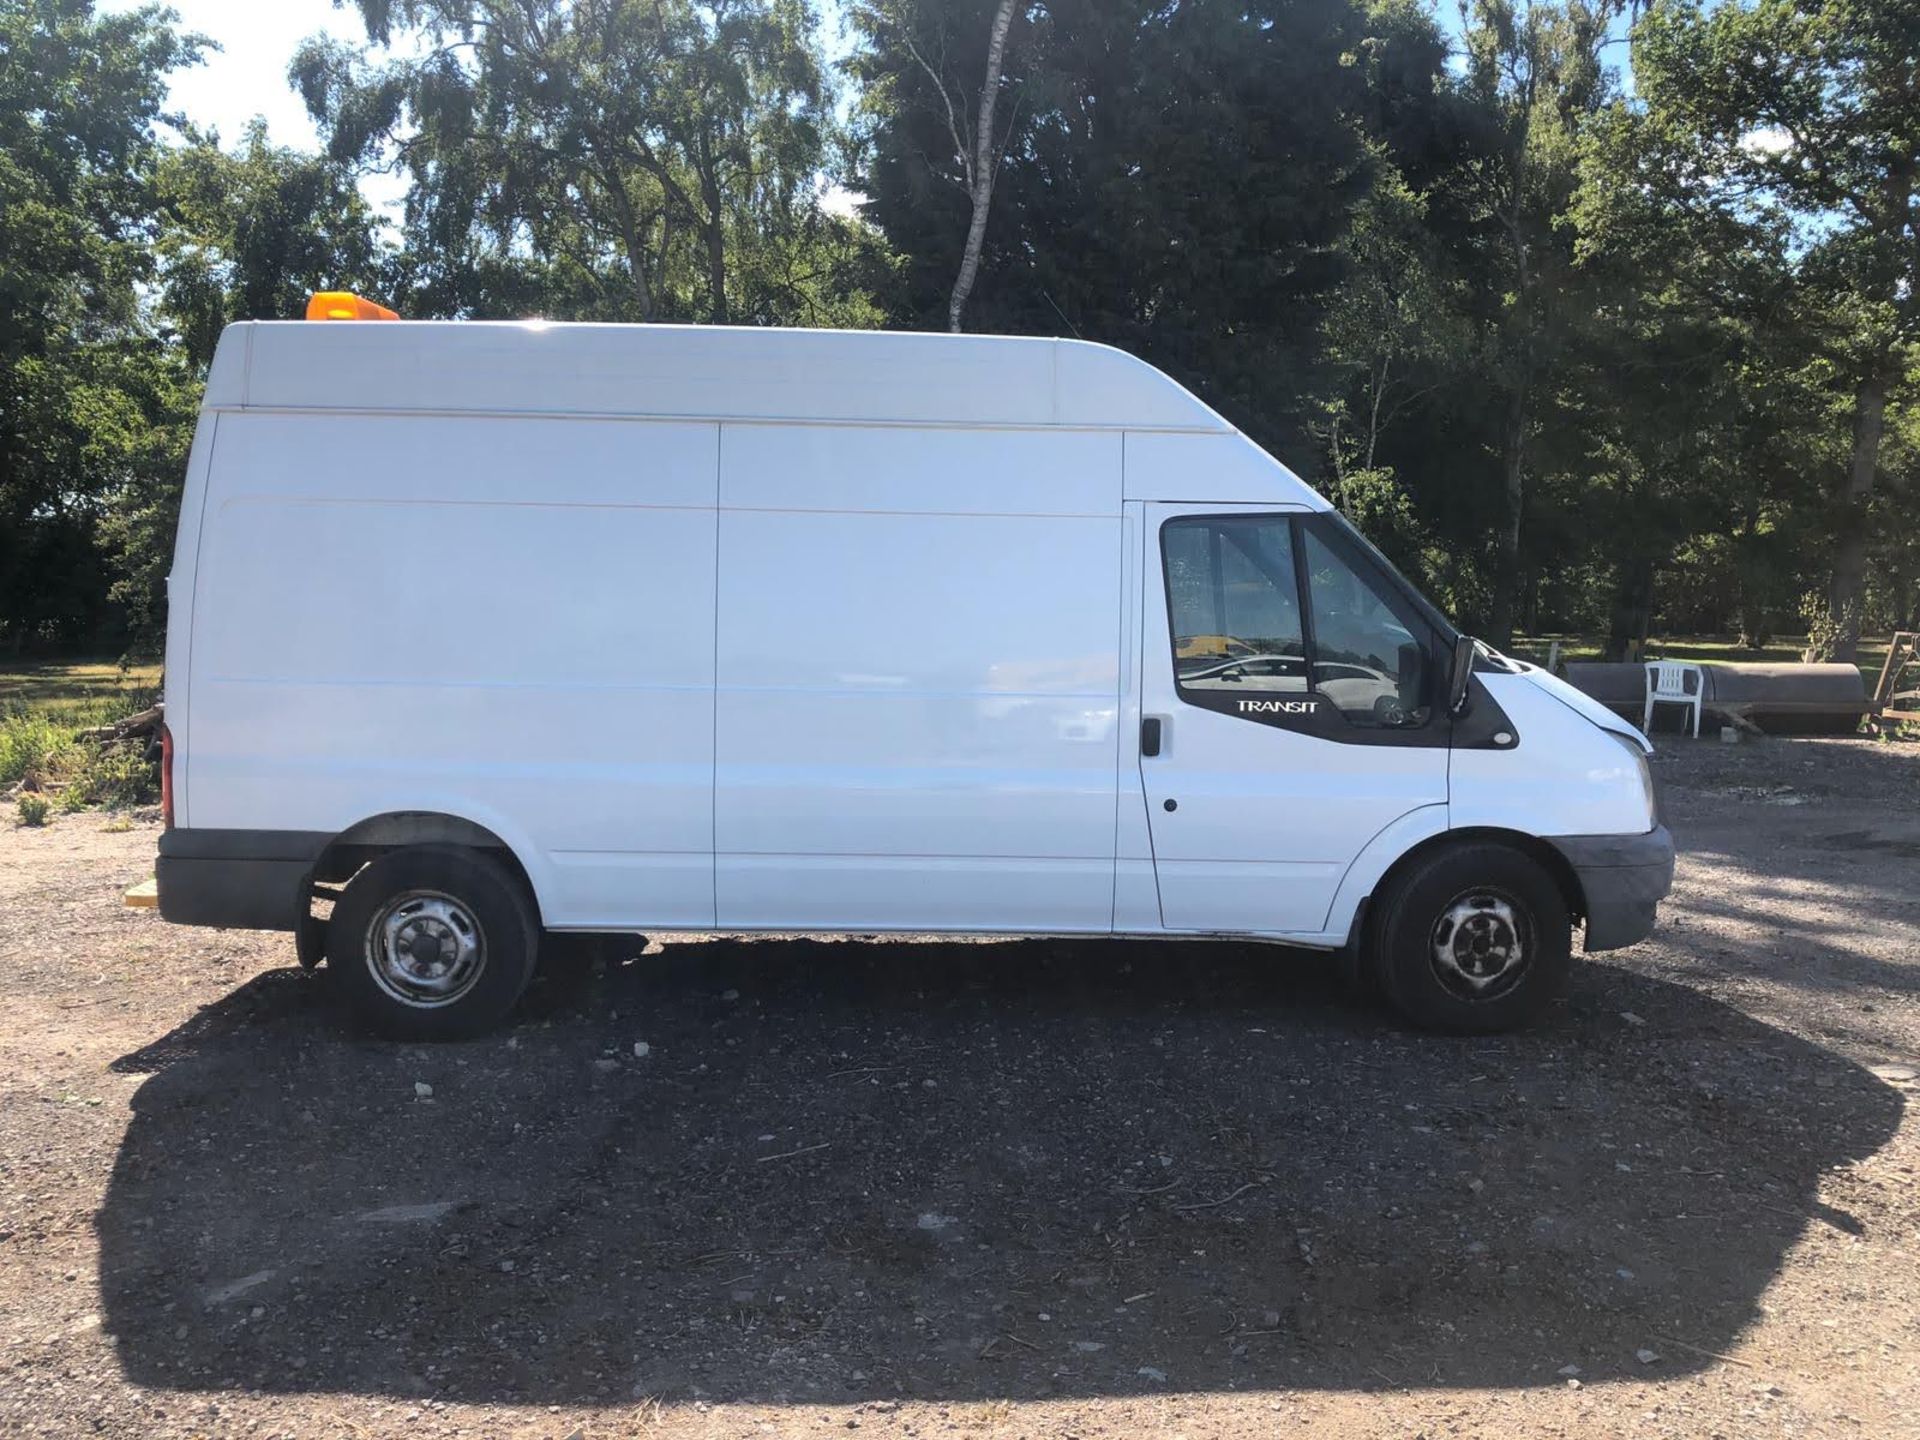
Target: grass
(56, 689)
(43, 709)
(1717, 649)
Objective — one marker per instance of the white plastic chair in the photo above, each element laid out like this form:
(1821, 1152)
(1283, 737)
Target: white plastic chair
(1674, 682)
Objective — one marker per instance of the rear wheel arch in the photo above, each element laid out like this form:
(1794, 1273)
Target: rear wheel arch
(377, 835)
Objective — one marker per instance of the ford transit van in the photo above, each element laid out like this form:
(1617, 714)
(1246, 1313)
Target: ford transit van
(480, 632)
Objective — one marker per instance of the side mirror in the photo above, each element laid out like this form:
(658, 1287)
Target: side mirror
(1460, 675)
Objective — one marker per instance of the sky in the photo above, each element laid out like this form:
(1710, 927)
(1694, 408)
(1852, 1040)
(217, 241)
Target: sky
(247, 75)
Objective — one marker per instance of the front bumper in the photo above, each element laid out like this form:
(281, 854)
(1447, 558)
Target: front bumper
(1623, 879)
(237, 879)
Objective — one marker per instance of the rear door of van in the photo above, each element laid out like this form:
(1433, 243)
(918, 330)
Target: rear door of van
(918, 678)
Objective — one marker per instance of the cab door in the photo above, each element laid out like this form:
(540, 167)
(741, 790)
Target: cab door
(1289, 713)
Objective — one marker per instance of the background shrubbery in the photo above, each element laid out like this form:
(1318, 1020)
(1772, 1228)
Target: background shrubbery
(1600, 317)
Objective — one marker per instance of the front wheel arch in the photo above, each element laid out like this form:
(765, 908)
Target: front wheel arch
(1532, 846)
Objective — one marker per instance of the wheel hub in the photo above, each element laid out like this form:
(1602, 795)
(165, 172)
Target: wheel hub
(425, 949)
(1479, 945)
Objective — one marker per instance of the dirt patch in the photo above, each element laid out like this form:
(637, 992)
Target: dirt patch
(1016, 1188)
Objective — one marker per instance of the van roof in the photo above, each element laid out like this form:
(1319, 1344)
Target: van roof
(695, 371)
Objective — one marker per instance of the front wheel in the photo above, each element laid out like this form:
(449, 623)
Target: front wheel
(1473, 938)
(433, 942)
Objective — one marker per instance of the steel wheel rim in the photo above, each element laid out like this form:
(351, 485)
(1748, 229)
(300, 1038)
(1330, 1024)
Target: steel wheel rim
(1481, 945)
(425, 949)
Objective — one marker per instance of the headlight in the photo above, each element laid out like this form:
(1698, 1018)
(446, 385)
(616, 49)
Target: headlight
(1648, 792)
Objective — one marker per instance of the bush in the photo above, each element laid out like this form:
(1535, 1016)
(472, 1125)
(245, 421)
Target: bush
(42, 746)
(29, 745)
(117, 776)
(34, 809)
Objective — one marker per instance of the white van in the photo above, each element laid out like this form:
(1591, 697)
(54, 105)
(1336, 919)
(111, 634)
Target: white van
(480, 631)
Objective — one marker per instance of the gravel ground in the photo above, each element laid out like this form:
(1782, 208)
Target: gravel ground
(1007, 1189)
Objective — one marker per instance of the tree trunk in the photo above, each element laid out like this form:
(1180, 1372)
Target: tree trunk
(717, 271)
(1342, 499)
(636, 249)
(1506, 575)
(1850, 544)
(985, 163)
(716, 232)
(1630, 611)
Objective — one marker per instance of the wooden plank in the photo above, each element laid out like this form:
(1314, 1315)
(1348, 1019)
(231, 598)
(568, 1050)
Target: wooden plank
(144, 896)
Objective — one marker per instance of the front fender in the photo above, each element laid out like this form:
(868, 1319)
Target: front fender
(1377, 858)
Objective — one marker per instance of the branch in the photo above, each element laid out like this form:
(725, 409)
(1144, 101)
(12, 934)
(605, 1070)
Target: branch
(953, 122)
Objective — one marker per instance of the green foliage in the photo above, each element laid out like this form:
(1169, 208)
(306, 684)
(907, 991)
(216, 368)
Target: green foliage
(80, 96)
(1174, 180)
(29, 745)
(249, 234)
(1579, 356)
(116, 775)
(34, 810)
(44, 749)
(623, 160)
(1824, 629)
(1808, 111)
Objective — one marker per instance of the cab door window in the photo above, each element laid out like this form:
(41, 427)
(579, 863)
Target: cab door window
(1368, 657)
(1271, 607)
(1233, 598)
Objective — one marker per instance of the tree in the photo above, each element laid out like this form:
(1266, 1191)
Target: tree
(246, 234)
(1696, 364)
(1175, 180)
(1397, 329)
(80, 96)
(1816, 106)
(1533, 76)
(671, 136)
(970, 160)
(250, 234)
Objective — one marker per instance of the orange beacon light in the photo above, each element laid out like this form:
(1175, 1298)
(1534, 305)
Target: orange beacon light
(342, 305)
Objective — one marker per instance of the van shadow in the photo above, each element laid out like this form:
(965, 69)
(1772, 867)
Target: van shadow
(847, 1171)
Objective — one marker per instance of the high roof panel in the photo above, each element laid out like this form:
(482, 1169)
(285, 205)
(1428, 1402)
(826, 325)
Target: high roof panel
(697, 371)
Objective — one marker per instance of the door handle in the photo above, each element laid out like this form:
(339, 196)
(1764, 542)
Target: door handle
(1150, 733)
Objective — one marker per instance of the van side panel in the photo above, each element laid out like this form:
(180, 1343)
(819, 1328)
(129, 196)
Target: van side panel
(506, 620)
(918, 679)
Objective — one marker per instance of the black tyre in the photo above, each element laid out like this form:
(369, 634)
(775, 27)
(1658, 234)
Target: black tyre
(310, 938)
(1472, 938)
(433, 942)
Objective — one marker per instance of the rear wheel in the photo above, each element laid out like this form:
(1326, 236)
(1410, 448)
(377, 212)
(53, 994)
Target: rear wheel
(433, 942)
(1473, 938)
